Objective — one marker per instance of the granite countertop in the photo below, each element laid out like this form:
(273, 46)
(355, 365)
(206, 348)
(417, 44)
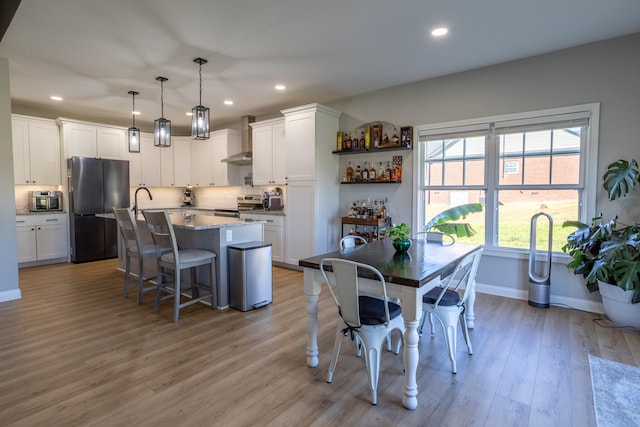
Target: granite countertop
(265, 212)
(39, 213)
(206, 222)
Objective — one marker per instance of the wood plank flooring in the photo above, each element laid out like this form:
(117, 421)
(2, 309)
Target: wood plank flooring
(74, 352)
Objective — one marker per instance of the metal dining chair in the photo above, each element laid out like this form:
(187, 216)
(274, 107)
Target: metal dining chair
(133, 249)
(448, 306)
(172, 260)
(368, 318)
(351, 241)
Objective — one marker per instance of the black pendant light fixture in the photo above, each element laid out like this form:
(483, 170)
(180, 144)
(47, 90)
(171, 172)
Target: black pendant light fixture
(200, 114)
(162, 126)
(133, 133)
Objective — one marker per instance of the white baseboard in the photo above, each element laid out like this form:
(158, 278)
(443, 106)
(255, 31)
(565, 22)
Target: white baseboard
(10, 295)
(575, 303)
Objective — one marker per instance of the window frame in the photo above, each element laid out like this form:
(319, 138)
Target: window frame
(588, 162)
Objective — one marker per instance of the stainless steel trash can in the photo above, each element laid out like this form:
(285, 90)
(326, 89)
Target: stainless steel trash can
(250, 284)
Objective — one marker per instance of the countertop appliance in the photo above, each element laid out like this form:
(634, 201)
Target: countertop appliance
(250, 202)
(45, 201)
(96, 186)
(187, 197)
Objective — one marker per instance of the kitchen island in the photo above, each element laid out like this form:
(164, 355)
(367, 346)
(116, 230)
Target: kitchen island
(201, 231)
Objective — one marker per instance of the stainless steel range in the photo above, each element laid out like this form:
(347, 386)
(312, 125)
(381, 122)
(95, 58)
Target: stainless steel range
(250, 202)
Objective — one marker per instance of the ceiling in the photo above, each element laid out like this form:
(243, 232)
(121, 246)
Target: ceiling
(92, 52)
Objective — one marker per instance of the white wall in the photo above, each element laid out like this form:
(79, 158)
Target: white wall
(605, 72)
(8, 257)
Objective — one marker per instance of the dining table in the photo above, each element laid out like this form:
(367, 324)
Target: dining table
(408, 276)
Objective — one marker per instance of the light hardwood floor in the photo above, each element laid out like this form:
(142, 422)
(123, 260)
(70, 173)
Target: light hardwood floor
(74, 352)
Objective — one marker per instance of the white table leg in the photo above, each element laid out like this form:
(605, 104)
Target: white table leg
(411, 356)
(311, 291)
(469, 309)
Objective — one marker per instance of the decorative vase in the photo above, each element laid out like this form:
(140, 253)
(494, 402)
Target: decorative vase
(402, 245)
(618, 307)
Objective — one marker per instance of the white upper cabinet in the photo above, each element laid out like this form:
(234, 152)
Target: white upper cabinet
(182, 161)
(269, 152)
(91, 140)
(36, 151)
(310, 133)
(167, 178)
(207, 156)
(225, 143)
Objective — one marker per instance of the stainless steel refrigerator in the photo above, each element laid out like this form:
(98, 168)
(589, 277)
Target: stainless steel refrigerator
(96, 186)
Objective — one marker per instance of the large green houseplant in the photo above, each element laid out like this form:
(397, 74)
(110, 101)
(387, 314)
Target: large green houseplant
(608, 252)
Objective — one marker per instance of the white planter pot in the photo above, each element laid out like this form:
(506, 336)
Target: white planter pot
(618, 307)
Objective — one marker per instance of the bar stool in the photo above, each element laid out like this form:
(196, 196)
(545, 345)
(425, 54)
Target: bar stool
(170, 257)
(134, 248)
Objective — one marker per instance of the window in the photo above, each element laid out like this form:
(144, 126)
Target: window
(516, 166)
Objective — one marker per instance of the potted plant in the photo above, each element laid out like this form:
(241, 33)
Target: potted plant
(400, 235)
(607, 253)
(442, 222)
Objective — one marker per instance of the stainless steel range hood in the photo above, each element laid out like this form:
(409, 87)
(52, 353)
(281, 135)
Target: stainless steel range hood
(245, 156)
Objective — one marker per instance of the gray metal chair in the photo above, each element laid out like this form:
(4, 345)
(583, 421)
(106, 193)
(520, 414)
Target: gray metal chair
(171, 262)
(133, 248)
(368, 318)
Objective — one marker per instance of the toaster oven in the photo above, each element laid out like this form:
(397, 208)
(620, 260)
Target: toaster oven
(45, 201)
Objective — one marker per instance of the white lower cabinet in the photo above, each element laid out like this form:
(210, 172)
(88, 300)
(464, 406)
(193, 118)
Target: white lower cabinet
(273, 232)
(41, 237)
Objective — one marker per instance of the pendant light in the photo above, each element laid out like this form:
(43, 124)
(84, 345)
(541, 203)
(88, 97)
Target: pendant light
(200, 114)
(162, 126)
(133, 133)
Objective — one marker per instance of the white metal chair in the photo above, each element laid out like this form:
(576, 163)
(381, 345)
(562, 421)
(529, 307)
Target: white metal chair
(367, 318)
(176, 260)
(445, 302)
(133, 248)
(351, 241)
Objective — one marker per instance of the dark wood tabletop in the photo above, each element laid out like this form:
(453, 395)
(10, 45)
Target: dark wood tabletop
(422, 263)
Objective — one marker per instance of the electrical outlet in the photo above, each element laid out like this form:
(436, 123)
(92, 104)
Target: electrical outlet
(229, 235)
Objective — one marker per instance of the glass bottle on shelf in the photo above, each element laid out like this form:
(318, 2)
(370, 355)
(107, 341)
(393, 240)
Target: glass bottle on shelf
(365, 172)
(367, 138)
(358, 174)
(340, 140)
(362, 140)
(355, 143)
(380, 172)
(387, 172)
(349, 141)
(372, 172)
(349, 173)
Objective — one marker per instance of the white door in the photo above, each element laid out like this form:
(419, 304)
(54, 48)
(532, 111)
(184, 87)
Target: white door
(110, 142)
(149, 161)
(44, 152)
(52, 240)
(20, 139)
(26, 243)
(80, 140)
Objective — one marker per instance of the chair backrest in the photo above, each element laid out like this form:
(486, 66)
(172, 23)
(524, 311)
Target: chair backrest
(128, 228)
(345, 275)
(463, 277)
(436, 236)
(351, 241)
(162, 232)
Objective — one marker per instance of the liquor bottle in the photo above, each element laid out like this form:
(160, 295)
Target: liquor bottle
(367, 138)
(340, 140)
(349, 173)
(387, 172)
(380, 172)
(362, 140)
(349, 141)
(372, 172)
(365, 172)
(355, 144)
(358, 174)
(394, 174)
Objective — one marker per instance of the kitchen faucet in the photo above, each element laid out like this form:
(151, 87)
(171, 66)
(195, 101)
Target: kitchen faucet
(135, 200)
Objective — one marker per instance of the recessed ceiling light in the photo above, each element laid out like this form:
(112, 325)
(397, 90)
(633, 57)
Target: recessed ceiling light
(228, 102)
(56, 98)
(439, 32)
(189, 113)
(280, 87)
